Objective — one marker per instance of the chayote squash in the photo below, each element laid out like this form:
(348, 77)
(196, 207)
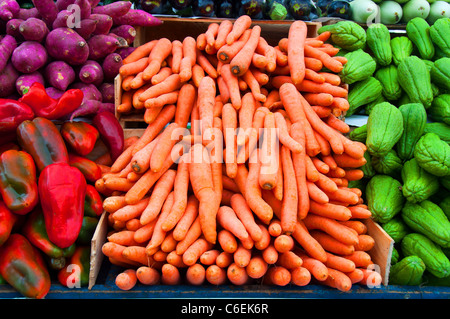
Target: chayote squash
(440, 35)
(384, 197)
(389, 164)
(407, 272)
(360, 65)
(363, 92)
(414, 121)
(415, 244)
(395, 256)
(414, 78)
(346, 34)
(418, 184)
(428, 219)
(440, 129)
(368, 107)
(388, 77)
(433, 154)
(418, 31)
(359, 134)
(402, 47)
(445, 206)
(367, 168)
(440, 73)
(384, 128)
(445, 182)
(379, 42)
(396, 228)
(440, 109)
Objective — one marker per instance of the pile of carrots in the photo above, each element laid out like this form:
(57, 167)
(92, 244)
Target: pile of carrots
(210, 207)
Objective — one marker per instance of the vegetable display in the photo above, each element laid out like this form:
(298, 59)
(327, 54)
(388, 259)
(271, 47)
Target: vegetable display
(293, 178)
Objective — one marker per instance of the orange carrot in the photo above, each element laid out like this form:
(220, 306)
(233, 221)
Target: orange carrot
(322, 99)
(191, 236)
(274, 228)
(126, 104)
(228, 219)
(166, 115)
(113, 250)
(256, 267)
(338, 280)
(327, 60)
(161, 50)
(253, 192)
(200, 42)
(206, 102)
(270, 254)
(215, 275)
(283, 243)
(289, 208)
(126, 280)
(269, 155)
(123, 237)
(355, 276)
(232, 83)
(259, 61)
(237, 275)
(137, 254)
(317, 268)
(361, 258)
(206, 65)
(170, 84)
(161, 100)
(308, 242)
(224, 29)
(161, 75)
(331, 244)
(239, 26)
(269, 53)
(185, 103)
(197, 73)
(169, 243)
(130, 211)
(140, 52)
(278, 276)
(300, 276)
(224, 259)
(340, 263)
(158, 233)
(164, 146)
(229, 122)
(170, 275)
(180, 189)
(211, 33)
(289, 260)
(227, 52)
(245, 215)
(196, 274)
(371, 277)
(242, 256)
(316, 194)
(209, 257)
(160, 193)
(296, 50)
(313, 64)
(195, 250)
(242, 60)
(283, 134)
(227, 241)
(148, 275)
(365, 242)
(133, 68)
(118, 184)
(254, 86)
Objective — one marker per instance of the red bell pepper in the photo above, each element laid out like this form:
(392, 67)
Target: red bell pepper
(76, 271)
(7, 221)
(79, 136)
(23, 267)
(111, 132)
(90, 169)
(12, 113)
(18, 184)
(42, 140)
(93, 202)
(45, 106)
(62, 191)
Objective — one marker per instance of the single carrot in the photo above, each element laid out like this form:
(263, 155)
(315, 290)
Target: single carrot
(359, 212)
(361, 258)
(283, 243)
(259, 61)
(278, 276)
(122, 237)
(169, 243)
(340, 263)
(224, 259)
(289, 260)
(355, 276)
(257, 267)
(246, 114)
(118, 184)
(195, 250)
(233, 86)
(269, 53)
(197, 73)
(170, 84)
(126, 104)
(126, 82)
(169, 137)
(338, 280)
(228, 219)
(227, 241)
(113, 203)
(283, 134)
(223, 89)
(206, 65)
(356, 225)
(327, 60)
(242, 256)
(148, 275)
(245, 215)
(331, 244)
(269, 155)
(162, 100)
(278, 190)
(296, 50)
(129, 212)
(253, 192)
(321, 99)
(354, 174)
(365, 242)
(239, 26)
(270, 254)
(317, 268)
(311, 245)
(191, 236)
(137, 254)
(126, 280)
(185, 69)
(162, 75)
(133, 68)
(215, 275)
(206, 102)
(316, 194)
(289, 209)
(200, 42)
(209, 257)
(224, 29)
(229, 122)
(196, 274)
(300, 276)
(170, 275)
(242, 60)
(254, 86)
(237, 275)
(337, 124)
(274, 228)
(344, 195)
(144, 233)
(260, 76)
(140, 162)
(113, 250)
(338, 212)
(140, 52)
(161, 50)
